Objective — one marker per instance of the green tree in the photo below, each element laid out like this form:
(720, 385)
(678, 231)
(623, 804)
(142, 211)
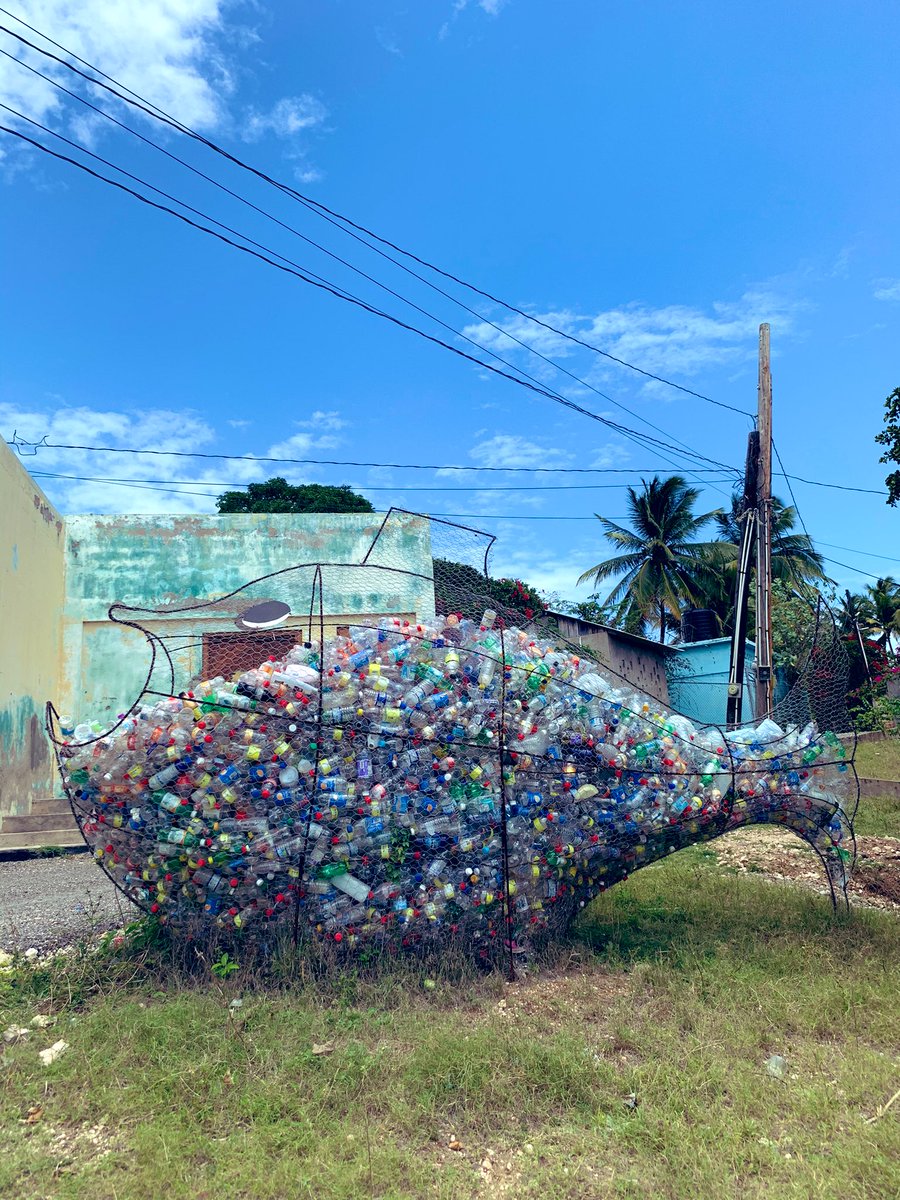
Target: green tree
(461, 588)
(795, 561)
(879, 611)
(660, 556)
(890, 437)
(849, 613)
(278, 496)
(793, 628)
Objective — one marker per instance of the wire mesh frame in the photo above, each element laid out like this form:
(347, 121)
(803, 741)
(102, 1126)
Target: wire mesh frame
(793, 811)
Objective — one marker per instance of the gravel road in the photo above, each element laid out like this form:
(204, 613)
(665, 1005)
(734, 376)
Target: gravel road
(51, 902)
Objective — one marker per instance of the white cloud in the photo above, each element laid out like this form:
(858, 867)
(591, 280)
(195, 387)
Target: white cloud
(193, 484)
(492, 8)
(485, 500)
(671, 340)
(302, 445)
(162, 49)
(178, 54)
(887, 289)
(387, 41)
(331, 420)
(513, 450)
(288, 117)
(520, 555)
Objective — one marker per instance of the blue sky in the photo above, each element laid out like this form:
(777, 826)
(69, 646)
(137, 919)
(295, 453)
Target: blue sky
(654, 178)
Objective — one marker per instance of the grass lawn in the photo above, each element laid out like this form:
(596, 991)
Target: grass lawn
(633, 1066)
(878, 816)
(879, 760)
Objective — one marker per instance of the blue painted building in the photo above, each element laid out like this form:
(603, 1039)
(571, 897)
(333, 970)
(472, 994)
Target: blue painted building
(698, 681)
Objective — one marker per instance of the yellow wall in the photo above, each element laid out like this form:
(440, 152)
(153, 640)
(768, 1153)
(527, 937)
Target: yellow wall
(32, 573)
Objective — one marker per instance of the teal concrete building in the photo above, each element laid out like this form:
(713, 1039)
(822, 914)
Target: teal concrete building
(185, 580)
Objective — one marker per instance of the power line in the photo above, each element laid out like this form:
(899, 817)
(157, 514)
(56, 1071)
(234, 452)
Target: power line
(178, 491)
(867, 553)
(399, 487)
(791, 490)
(836, 562)
(841, 487)
(19, 443)
(315, 206)
(318, 282)
(310, 241)
(291, 229)
(856, 570)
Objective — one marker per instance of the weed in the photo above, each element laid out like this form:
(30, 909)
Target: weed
(224, 966)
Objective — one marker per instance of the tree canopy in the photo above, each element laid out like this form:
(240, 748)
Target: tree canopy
(461, 588)
(661, 555)
(665, 569)
(276, 495)
(890, 437)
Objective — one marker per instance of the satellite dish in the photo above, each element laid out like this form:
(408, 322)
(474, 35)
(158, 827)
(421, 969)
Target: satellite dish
(267, 615)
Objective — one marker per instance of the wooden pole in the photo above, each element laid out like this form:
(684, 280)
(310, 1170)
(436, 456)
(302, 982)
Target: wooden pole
(734, 706)
(764, 535)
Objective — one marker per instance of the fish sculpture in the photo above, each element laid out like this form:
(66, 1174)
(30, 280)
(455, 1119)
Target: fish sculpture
(410, 781)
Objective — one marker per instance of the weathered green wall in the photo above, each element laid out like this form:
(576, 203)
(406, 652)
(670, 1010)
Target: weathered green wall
(171, 562)
(31, 611)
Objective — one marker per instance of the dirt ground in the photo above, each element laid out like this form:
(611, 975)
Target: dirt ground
(781, 856)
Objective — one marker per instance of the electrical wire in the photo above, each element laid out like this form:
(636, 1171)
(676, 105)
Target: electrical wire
(552, 487)
(310, 241)
(42, 444)
(841, 487)
(849, 567)
(20, 443)
(867, 553)
(178, 491)
(291, 229)
(160, 114)
(318, 282)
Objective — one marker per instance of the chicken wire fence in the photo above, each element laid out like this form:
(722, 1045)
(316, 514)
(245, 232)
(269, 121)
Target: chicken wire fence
(404, 760)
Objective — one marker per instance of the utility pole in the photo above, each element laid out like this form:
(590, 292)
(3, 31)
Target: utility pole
(734, 706)
(764, 537)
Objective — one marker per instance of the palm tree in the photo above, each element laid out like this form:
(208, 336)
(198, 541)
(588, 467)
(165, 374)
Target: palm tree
(850, 613)
(660, 556)
(795, 561)
(879, 610)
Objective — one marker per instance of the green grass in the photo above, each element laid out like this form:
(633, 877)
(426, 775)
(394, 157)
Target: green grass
(878, 816)
(680, 985)
(879, 760)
